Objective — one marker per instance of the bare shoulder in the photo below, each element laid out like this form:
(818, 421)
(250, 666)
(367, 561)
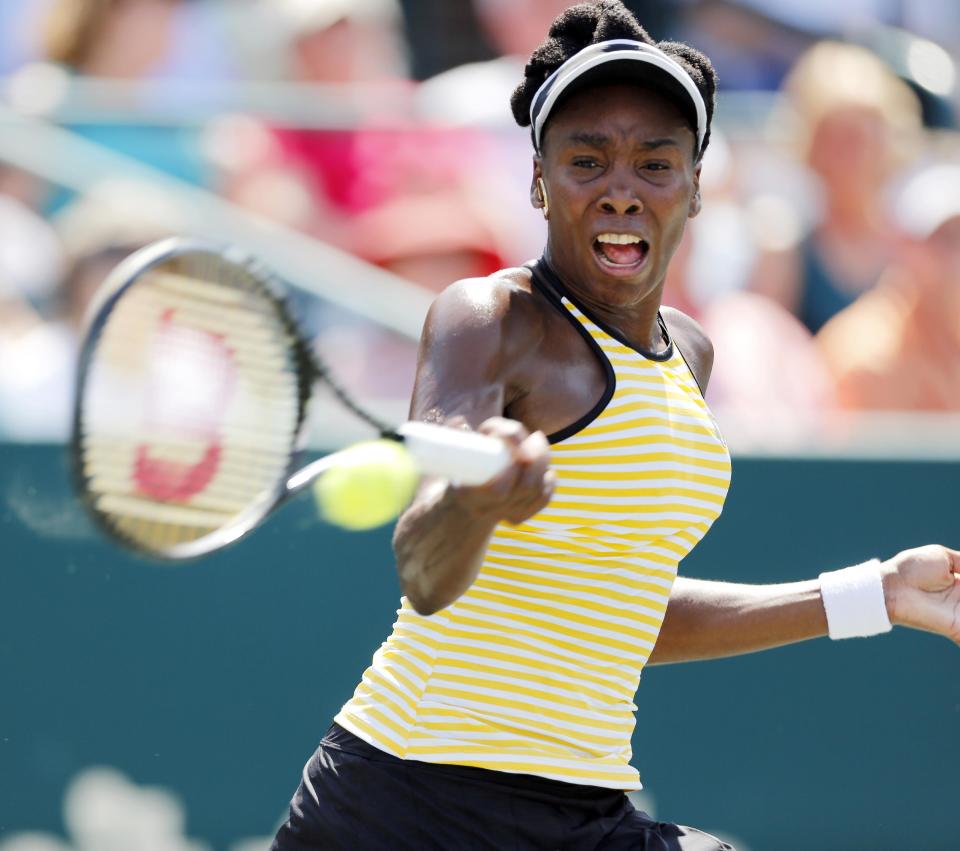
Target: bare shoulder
(479, 339)
(500, 309)
(688, 335)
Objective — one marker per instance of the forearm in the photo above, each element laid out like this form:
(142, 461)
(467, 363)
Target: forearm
(439, 546)
(708, 620)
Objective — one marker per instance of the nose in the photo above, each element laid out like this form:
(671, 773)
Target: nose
(617, 207)
(620, 200)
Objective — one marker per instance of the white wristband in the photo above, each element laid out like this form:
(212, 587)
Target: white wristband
(854, 601)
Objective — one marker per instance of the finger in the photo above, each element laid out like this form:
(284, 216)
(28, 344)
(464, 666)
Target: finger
(499, 489)
(930, 568)
(534, 450)
(954, 559)
(537, 483)
(945, 561)
(524, 512)
(512, 432)
(457, 421)
(548, 485)
(529, 487)
(533, 461)
(523, 488)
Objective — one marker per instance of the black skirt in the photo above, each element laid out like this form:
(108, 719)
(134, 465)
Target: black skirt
(356, 797)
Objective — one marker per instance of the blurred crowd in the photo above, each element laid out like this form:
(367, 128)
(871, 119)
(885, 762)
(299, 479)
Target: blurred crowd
(825, 265)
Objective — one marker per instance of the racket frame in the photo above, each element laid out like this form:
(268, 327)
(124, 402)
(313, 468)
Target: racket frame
(460, 456)
(308, 371)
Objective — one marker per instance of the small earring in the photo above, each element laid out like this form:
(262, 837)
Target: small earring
(542, 197)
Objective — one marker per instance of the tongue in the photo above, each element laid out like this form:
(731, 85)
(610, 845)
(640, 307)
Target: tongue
(622, 255)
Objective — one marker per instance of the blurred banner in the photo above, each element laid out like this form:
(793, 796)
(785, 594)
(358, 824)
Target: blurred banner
(190, 696)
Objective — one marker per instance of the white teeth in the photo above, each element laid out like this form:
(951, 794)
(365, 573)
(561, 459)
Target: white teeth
(619, 238)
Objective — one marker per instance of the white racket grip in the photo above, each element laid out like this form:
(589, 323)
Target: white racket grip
(463, 457)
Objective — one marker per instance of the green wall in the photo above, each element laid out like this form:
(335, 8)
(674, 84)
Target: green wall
(216, 679)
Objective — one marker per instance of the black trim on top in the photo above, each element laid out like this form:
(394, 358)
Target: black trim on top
(544, 281)
(554, 280)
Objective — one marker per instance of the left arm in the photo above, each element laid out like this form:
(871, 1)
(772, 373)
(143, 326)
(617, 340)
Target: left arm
(707, 620)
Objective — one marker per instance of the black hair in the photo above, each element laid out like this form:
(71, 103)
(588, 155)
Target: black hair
(589, 23)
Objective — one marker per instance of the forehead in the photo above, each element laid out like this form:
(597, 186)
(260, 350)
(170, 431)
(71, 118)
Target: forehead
(620, 111)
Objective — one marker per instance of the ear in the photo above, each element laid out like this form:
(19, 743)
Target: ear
(695, 201)
(536, 199)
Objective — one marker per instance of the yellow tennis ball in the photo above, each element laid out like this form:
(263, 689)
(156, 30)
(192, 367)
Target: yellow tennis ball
(369, 486)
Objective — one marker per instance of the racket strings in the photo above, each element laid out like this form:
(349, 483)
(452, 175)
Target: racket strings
(192, 404)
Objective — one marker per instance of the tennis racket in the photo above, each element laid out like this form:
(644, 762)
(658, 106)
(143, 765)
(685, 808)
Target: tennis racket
(192, 393)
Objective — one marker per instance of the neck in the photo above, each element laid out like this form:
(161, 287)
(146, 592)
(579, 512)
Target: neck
(853, 214)
(637, 322)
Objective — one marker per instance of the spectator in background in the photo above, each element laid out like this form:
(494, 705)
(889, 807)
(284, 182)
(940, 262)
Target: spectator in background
(38, 353)
(769, 386)
(126, 41)
(117, 39)
(897, 348)
(18, 25)
(344, 41)
(342, 183)
(353, 51)
(431, 240)
(751, 44)
(852, 115)
(31, 350)
(477, 94)
(137, 39)
(320, 179)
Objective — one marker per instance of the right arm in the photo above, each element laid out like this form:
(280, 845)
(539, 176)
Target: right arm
(467, 374)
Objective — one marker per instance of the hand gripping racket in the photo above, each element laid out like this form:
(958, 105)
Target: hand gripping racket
(192, 393)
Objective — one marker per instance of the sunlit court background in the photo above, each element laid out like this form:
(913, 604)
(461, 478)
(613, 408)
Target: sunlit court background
(365, 150)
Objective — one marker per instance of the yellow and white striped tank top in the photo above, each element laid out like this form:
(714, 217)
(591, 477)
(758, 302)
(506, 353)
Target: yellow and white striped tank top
(533, 670)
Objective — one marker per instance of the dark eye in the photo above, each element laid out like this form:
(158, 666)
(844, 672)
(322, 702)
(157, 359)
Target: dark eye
(656, 166)
(585, 162)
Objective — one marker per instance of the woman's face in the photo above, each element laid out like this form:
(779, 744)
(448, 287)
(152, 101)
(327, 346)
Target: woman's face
(852, 151)
(618, 164)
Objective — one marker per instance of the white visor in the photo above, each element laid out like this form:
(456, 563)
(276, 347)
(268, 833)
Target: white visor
(601, 54)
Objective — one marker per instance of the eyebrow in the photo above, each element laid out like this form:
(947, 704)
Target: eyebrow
(664, 142)
(594, 140)
(601, 140)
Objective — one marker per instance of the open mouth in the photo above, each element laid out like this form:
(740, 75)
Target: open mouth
(623, 252)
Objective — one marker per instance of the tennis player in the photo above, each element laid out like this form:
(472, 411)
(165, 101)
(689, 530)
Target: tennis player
(498, 713)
